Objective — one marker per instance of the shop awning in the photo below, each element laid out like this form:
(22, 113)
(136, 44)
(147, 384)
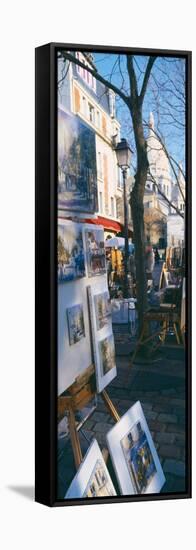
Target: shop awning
(108, 224)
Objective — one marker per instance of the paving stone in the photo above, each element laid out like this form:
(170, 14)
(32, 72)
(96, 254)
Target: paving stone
(100, 416)
(167, 418)
(169, 391)
(89, 424)
(165, 438)
(102, 427)
(157, 426)
(163, 408)
(150, 415)
(175, 467)
(169, 451)
(146, 406)
(180, 438)
(177, 402)
(175, 428)
(173, 484)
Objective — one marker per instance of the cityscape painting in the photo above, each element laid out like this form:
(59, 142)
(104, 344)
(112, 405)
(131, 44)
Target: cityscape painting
(71, 263)
(77, 177)
(95, 252)
(138, 457)
(102, 310)
(75, 324)
(107, 354)
(99, 484)
(92, 479)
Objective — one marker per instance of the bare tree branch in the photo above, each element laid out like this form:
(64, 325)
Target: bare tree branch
(146, 77)
(164, 196)
(107, 83)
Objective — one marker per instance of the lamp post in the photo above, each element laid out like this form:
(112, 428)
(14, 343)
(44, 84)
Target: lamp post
(123, 153)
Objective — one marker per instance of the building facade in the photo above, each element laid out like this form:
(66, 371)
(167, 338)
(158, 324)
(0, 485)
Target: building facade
(164, 227)
(80, 94)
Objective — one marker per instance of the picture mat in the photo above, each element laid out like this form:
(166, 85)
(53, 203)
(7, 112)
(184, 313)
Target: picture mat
(81, 480)
(97, 287)
(114, 437)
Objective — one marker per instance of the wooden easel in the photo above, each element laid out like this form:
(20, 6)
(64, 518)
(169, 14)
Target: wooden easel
(167, 316)
(78, 395)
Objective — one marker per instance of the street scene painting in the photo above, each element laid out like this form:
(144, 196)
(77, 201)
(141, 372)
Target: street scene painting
(99, 484)
(138, 458)
(102, 310)
(71, 264)
(76, 327)
(107, 354)
(92, 479)
(77, 178)
(95, 252)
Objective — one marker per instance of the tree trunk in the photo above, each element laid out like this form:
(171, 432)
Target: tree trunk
(137, 210)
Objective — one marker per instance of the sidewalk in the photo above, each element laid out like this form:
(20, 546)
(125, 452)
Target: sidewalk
(160, 386)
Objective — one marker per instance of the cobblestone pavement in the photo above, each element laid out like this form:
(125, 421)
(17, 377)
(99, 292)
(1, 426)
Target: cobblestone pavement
(160, 386)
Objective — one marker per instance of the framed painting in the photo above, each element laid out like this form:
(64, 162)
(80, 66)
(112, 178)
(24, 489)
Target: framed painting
(113, 274)
(134, 455)
(92, 479)
(102, 335)
(95, 251)
(77, 187)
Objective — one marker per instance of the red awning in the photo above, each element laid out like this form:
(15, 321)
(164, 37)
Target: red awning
(107, 223)
(111, 225)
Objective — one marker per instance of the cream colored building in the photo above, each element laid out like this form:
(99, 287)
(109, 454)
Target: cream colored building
(86, 97)
(163, 225)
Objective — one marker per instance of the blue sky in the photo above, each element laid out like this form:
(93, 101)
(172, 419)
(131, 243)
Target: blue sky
(165, 96)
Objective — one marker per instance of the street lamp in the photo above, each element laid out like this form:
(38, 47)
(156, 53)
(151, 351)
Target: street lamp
(123, 153)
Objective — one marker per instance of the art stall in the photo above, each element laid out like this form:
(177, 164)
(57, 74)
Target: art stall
(86, 348)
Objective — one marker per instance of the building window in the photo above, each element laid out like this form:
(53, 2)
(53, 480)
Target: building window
(84, 106)
(182, 207)
(98, 119)
(91, 113)
(100, 201)
(99, 160)
(84, 73)
(120, 178)
(112, 207)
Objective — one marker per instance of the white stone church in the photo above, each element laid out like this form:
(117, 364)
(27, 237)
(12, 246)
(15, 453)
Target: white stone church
(164, 227)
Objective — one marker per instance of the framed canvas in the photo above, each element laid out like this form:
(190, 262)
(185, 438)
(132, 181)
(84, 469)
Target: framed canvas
(76, 324)
(134, 456)
(113, 219)
(71, 263)
(102, 336)
(92, 479)
(77, 187)
(95, 251)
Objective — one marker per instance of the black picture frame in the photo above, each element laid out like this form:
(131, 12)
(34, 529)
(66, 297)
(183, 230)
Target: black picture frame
(46, 279)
